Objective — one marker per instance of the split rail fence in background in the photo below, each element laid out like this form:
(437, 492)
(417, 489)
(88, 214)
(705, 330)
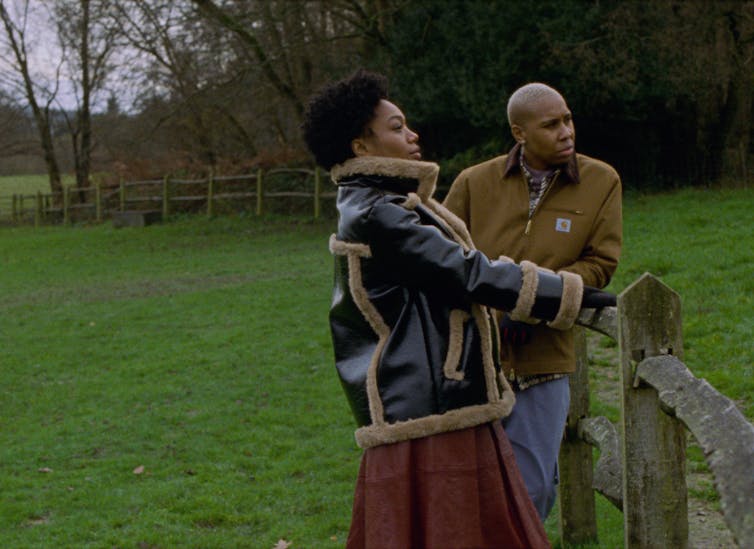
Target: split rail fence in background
(642, 464)
(169, 195)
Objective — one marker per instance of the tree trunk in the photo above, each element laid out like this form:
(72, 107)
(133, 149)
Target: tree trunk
(85, 117)
(41, 116)
(736, 137)
(48, 148)
(732, 132)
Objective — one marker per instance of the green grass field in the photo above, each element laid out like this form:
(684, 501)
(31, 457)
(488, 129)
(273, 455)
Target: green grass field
(26, 185)
(173, 386)
(23, 184)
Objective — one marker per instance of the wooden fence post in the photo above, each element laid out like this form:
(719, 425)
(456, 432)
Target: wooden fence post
(210, 192)
(38, 210)
(317, 192)
(20, 207)
(66, 203)
(653, 444)
(165, 197)
(576, 507)
(15, 208)
(259, 191)
(98, 201)
(121, 194)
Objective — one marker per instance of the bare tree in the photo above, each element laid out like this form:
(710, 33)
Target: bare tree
(227, 81)
(87, 39)
(282, 50)
(287, 39)
(39, 96)
(283, 83)
(180, 62)
(17, 131)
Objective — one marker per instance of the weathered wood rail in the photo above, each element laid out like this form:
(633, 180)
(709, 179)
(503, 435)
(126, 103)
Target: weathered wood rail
(641, 468)
(96, 202)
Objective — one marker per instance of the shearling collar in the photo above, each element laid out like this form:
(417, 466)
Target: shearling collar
(570, 170)
(424, 172)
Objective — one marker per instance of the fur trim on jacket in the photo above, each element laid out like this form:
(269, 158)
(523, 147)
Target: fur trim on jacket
(415, 344)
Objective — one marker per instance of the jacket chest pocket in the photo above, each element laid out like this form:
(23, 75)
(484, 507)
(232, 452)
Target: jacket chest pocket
(562, 227)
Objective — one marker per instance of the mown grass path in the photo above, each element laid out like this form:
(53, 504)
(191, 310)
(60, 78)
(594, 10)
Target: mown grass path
(173, 386)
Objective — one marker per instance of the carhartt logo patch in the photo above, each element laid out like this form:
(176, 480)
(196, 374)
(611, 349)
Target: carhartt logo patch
(563, 225)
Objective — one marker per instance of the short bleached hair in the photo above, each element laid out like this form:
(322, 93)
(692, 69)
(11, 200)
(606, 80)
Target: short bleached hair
(521, 100)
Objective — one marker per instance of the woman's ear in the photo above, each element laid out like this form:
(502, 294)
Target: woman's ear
(359, 147)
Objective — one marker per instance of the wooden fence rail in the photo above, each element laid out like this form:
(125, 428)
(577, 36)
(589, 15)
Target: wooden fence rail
(100, 202)
(641, 468)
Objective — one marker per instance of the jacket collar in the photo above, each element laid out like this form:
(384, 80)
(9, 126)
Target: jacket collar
(424, 172)
(570, 170)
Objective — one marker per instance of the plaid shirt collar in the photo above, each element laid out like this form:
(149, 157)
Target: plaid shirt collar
(534, 183)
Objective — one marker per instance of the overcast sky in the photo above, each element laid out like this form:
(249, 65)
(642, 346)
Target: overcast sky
(45, 54)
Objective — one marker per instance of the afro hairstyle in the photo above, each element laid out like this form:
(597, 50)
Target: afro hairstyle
(339, 113)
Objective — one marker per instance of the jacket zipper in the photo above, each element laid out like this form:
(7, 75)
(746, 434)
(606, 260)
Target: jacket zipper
(527, 230)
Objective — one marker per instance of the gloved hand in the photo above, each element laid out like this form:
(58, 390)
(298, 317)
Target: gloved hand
(594, 298)
(512, 331)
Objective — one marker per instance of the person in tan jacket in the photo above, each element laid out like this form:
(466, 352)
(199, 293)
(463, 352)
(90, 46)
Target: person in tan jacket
(544, 203)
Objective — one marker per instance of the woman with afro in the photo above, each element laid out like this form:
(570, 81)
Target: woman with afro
(415, 339)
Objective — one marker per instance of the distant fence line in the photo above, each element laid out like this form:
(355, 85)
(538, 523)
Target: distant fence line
(100, 201)
(642, 463)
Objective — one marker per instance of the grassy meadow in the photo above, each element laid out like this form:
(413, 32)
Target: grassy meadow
(26, 185)
(173, 386)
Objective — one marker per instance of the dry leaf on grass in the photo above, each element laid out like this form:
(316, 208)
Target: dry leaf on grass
(44, 470)
(282, 544)
(139, 470)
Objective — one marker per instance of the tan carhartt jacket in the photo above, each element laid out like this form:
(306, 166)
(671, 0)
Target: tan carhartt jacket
(577, 227)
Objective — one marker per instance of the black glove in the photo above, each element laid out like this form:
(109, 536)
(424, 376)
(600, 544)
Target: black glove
(512, 331)
(594, 298)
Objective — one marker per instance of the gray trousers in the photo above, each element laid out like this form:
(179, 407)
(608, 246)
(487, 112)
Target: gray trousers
(535, 429)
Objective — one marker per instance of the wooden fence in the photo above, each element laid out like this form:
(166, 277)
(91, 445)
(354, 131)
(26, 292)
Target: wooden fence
(97, 202)
(642, 464)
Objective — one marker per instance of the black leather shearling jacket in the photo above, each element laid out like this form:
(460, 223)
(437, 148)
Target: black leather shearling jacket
(414, 343)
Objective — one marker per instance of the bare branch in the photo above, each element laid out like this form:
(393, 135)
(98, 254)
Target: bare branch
(215, 13)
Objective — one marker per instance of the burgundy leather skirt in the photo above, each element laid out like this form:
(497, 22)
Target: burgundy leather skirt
(456, 490)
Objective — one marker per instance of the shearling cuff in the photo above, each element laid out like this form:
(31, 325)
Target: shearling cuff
(527, 294)
(570, 301)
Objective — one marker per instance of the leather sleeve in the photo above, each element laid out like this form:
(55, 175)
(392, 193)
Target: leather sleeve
(421, 256)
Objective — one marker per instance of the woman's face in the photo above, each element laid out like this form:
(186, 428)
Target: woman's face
(388, 135)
